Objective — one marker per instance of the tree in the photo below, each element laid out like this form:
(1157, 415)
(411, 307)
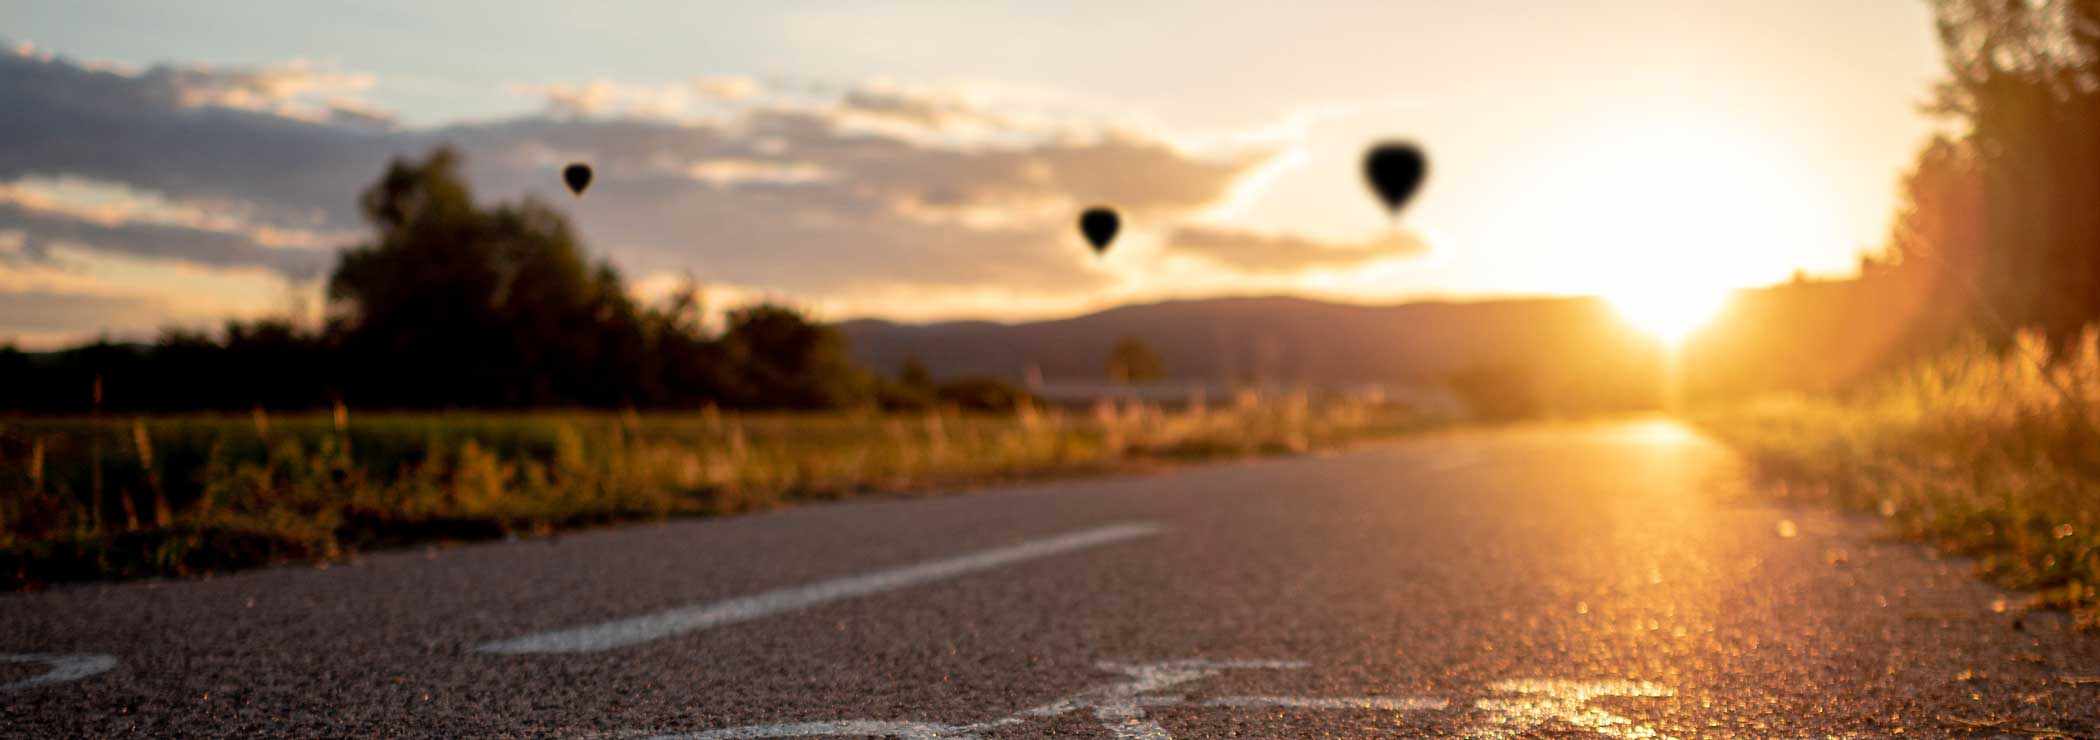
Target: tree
(454, 305)
(912, 390)
(685, 368)
(1938, 248)
(1133, 361)
(912, 373)
(983, 394)
(781, 359)
(2009, 205)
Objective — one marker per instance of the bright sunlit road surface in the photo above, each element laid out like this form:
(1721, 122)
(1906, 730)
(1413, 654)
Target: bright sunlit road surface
(1568, 581)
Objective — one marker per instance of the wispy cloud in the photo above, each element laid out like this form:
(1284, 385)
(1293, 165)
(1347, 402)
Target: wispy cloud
(295, 89)
(40, 312)
(1253, 252)
(879, 189)
(673, 100)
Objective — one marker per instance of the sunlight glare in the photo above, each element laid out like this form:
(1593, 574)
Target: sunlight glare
(1678, 211)
(1669, 311)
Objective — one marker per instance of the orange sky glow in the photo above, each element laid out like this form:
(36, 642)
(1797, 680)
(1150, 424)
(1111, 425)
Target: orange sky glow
(1656, 153)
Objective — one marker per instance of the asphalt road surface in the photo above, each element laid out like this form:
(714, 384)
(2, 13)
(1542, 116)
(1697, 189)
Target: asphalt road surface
(1570, 581)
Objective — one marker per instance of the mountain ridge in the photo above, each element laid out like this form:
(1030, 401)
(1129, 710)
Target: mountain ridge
(1264, 338)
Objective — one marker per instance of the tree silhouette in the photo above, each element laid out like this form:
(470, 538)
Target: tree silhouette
(2011, 208)
(1133, 361)
(782, 359)
(455, 305)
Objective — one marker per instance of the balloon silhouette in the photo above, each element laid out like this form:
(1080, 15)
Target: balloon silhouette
(1395, 169)
(1099, 224)
(578, 176)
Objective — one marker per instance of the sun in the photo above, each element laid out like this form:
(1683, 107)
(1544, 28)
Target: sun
(1669, 311)
(1669, 210)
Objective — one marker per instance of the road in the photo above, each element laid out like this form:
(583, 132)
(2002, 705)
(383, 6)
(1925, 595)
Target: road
(1567, 581)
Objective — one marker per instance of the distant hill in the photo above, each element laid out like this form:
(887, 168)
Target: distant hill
(1281, 339)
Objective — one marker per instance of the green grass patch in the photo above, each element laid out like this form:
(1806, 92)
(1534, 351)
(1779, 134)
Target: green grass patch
(178, 495)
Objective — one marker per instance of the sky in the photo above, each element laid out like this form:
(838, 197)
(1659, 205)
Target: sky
(166, 164)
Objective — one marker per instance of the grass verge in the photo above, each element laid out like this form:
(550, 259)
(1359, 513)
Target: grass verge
(1986, 454)
(155, 496)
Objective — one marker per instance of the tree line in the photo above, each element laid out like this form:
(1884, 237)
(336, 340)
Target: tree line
(2001, 215)
(455, 305)
(1997, 232)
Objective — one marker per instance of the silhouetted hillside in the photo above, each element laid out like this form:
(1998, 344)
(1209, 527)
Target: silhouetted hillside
(1574, 349)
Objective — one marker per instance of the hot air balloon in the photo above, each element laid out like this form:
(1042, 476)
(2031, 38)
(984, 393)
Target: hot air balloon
(1099, 225)
(578, 177)
(1395, 169)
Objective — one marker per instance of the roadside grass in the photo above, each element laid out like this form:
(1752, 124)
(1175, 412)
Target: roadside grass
(85, 498)
(1992, 455)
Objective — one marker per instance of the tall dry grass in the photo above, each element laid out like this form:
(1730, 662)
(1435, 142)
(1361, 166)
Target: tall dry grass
(92, 498)
(1988, 454)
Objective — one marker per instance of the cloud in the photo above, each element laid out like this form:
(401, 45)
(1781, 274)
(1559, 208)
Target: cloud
(727, 88)
(886, 105)
(40, 312)
(163, 293)
(158, 240)
(881, 189)
(358, 113)
(1251, 252)
(601, 97)
(735, 171)
(804, 198)
(165, 131)
(288, 89)
(671, 100)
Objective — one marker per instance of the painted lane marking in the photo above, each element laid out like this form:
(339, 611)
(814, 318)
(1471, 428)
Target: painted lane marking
(63, 668)
(694, 617)
(1514, 708)
(1566, 701)
(848, 728)
(1120, 707)
(1406, 704)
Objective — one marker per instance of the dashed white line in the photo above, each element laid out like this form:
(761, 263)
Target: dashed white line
(1122, 708)
(680, 620)
(850, 728)
(63, 668)
(1401, 704)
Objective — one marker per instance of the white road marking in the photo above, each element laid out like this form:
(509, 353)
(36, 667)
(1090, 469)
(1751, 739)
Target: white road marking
(1407, 704)
(1515, 709)
(1564, 700)
(1119, 707)
(680, 620)
(63, 668)
(850, 728)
